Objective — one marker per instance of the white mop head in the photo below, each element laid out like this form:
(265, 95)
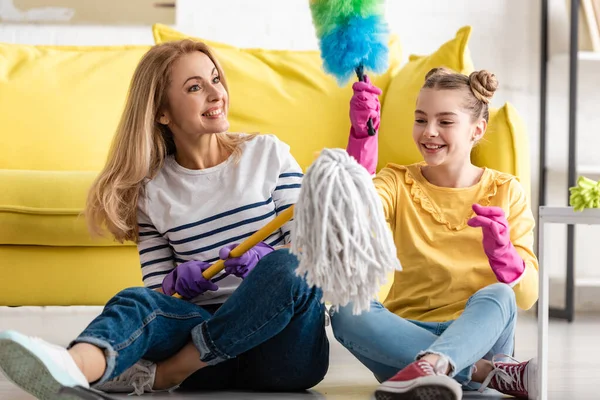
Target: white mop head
(340, 235)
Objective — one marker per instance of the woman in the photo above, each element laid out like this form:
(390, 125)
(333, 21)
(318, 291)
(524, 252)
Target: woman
(186, 191)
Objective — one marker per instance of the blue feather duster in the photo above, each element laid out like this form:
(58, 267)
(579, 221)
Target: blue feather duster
(358, 43)
(353, 36)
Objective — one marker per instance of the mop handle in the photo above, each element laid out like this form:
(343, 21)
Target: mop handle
(249, 243)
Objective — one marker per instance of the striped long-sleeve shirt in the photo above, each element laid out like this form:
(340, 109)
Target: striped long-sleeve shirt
(188, 214)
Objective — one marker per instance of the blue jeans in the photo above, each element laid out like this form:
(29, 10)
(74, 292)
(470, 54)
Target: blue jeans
(269, 335)
(386, 343)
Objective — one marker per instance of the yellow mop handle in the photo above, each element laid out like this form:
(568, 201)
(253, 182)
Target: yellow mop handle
(249, 243)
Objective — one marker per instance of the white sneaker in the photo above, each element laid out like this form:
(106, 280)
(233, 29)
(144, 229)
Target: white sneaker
(139, 378)
(38, 367)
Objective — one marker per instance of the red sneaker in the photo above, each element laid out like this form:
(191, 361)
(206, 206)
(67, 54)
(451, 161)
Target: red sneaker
(514, 379)
(418, 381)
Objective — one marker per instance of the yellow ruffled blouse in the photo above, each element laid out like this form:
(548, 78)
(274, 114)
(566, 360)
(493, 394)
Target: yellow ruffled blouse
(442, 257)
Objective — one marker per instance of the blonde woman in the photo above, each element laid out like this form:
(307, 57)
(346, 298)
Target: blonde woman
(186, 191)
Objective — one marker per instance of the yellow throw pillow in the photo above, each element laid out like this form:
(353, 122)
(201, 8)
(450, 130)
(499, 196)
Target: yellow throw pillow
(61, 105)
(505, 146)
(397, 115)
(287, 93)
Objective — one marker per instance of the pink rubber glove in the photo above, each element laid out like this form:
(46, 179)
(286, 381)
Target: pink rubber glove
(242, 265)
(504, 259)
(364, 105)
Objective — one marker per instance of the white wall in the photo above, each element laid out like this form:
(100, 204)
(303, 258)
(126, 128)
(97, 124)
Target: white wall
(505, 40)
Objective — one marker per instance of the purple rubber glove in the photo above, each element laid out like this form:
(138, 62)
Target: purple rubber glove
(504, 259)
(187, 280)
(364, 105)
(242, 266)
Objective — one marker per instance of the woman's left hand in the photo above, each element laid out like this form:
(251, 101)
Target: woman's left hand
(504, 259)
(241, 266)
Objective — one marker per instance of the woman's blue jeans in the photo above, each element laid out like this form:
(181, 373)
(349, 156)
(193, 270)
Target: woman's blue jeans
(269, 335)
(386, 343)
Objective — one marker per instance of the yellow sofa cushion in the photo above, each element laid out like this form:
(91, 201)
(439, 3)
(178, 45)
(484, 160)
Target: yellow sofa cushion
(65, 276)
(397, 111)
(44, 208)
(61, 105)
(287, 93)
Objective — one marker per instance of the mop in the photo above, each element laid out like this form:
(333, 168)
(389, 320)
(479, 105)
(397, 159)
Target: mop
(340, 235)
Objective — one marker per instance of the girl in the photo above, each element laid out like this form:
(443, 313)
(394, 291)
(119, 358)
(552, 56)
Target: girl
(182, 187)
(464, 236)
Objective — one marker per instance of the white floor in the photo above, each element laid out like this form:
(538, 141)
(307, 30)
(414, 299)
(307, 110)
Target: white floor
(574, 363)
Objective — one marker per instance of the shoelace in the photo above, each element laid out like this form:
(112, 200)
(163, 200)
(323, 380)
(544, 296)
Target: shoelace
(139, 382)
(508, 377)
(138, 377)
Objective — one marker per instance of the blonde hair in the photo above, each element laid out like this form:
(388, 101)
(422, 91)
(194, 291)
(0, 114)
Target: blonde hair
(479, 88)
(141, 143)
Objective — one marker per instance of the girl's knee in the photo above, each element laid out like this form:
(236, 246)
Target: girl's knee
(341, 320)
(501, 293)
(345, 324)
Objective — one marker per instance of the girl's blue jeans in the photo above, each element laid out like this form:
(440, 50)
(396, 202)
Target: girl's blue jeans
(269, 335)
(386, 343)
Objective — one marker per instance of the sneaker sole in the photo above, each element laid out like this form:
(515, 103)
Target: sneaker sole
(532, 379)
(420, 393)
(426, 389)
(85, 394)
(30, 371)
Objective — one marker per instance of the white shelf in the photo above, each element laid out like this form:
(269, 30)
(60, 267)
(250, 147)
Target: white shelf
(588, 56)
(587, 282)
(585, 170)
(588, 170)
(567, 215)
(583, 56)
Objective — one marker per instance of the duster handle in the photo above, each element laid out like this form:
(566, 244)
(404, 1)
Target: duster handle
(361, 77)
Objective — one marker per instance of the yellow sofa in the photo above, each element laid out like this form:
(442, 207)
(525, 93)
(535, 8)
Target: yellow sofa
(60, 107)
